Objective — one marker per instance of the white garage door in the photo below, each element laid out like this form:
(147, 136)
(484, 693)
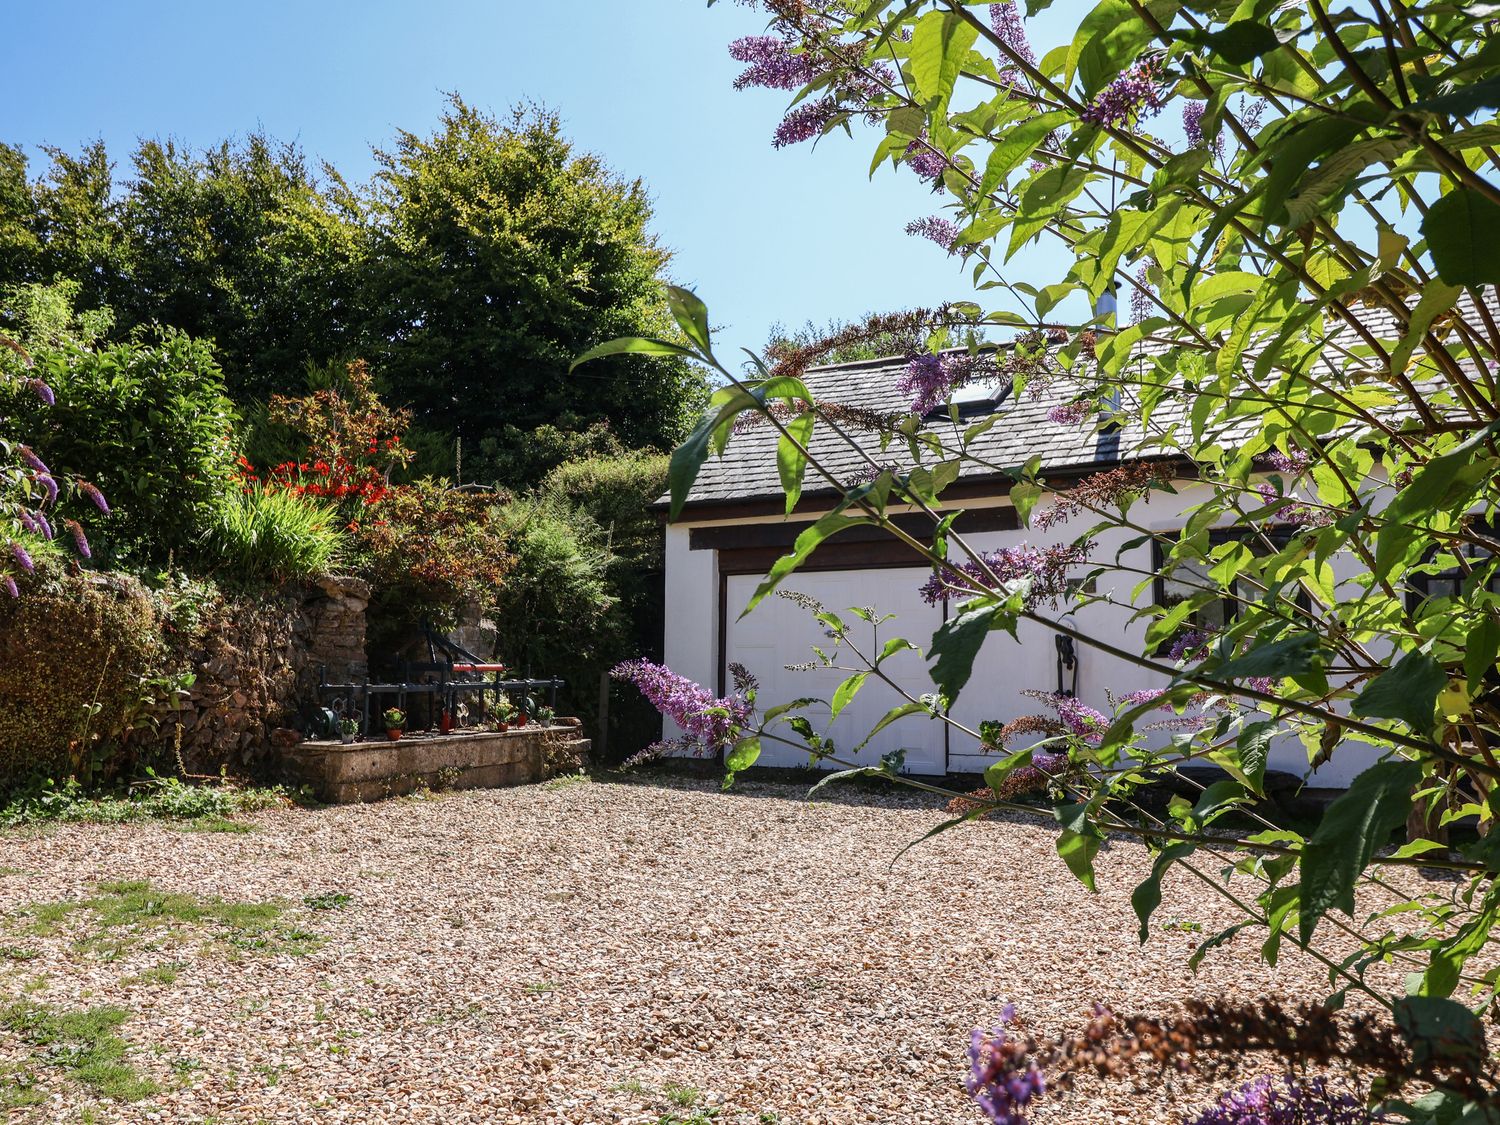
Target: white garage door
(779, 633)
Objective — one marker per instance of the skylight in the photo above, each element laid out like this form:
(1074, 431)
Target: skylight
(982, 396)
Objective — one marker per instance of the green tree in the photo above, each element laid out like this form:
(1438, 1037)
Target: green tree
(243, 245)
(498, 254)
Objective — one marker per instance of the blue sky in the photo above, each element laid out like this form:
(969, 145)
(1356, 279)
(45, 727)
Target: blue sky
(764, 236)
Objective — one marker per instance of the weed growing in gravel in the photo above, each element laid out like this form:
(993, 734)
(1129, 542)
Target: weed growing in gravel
(539, 987)
(697, 1117)
(164, 798)
(634, 1086)
(18, 953)
(681, 1095)
(83, 1044)
(330, 900)
(135, 908)
(567, 780)
(160, 974)
(216, 824)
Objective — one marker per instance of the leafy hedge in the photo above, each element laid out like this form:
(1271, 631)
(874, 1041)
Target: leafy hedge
(75, 654)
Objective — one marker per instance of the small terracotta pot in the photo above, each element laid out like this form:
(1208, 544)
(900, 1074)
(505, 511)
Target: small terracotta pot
(393, 733)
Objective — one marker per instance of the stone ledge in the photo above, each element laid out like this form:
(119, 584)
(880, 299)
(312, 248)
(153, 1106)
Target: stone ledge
(368, 771)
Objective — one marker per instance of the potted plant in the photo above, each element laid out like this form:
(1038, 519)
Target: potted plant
(505, 712)
(395, 723)
(545, 715)
(348, 728)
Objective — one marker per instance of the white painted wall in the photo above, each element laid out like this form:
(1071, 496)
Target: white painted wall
(1003, 669)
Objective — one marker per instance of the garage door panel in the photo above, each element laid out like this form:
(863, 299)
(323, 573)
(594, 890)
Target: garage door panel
(779, 633)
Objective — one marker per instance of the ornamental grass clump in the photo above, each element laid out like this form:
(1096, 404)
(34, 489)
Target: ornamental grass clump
(272, 535)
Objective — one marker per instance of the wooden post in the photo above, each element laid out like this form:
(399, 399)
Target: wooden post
(601, 743)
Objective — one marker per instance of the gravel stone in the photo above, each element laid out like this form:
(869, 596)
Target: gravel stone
(582, 951)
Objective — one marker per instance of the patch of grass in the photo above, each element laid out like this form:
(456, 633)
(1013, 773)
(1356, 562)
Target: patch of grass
(540, 987)
(567, 780)
(697, 1117)
(155, 798)
(13, 870)
(634, 1086)
(679, 1095)
(127, 910)
(18, 1089)
(159, 974)
(330, 900)
(17, 953)
(217, 824)
(83, 1044)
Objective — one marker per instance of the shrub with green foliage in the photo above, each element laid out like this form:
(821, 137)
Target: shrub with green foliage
(146, 421)
(76, 653)
(276, 536)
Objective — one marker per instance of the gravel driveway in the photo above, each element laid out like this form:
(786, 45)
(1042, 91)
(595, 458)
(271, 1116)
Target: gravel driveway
(657, 953)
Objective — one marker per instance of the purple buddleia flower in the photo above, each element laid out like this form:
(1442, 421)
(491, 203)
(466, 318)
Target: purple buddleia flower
(10, 586)
(1145, 695)
(42, 525)
(1010, 29)
(711, 722)
(928, 380)
(1071, 413)
(1191, 645)
(49, 485)
(42, 391)
(773, 64)
(804, 122)
(23, 560)
(80, 541)
(32, 461)
(1250, 115)
(1129, 99)
(1045, 568)
(1192, 127)
(1290, 1100)
(922, 159)
(1005, 18)
(1140, 294)
(1292, 464)
(936, 229)
(1003, 1078)
(95, 495)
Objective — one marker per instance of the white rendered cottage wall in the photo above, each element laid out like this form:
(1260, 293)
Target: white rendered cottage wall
(1004, 668)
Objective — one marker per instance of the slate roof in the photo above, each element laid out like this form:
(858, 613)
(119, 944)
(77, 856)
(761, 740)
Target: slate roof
(747, 471)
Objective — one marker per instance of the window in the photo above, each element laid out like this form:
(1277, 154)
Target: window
(1190, 576)
(1434, 581)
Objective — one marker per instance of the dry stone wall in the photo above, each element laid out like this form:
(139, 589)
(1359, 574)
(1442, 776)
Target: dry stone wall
(257, 673)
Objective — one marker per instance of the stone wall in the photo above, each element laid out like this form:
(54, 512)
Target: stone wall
(257, 673)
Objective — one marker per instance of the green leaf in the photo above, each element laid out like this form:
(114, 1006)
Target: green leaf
(1440, 1030)
(1463, 237)
(1441, 482)
(1016, 146)
(1436, 298)
(1147, 896)
(691, 315)
(741, 758)
(1391, 244)
(1253, 749)
(1406, 691)
(846, 692)
(957, 641)
(890, 717)
(1079, 841)
(1461, 102)
(1356, 824)
(1238, 43)
(636, 345)
(1108, 40)
(807, 542)
(1481, 648)
(791, 458)
(687, 460)
(1214, 942)
(1292, 655)
(1023, 497)
(940, 43)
